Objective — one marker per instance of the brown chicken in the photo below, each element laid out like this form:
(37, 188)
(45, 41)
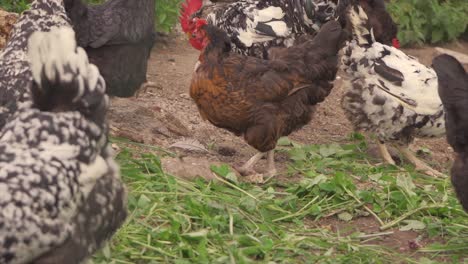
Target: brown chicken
(263, 100)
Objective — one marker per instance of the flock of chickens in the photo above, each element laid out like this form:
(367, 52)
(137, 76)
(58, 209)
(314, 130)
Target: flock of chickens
(264, 65)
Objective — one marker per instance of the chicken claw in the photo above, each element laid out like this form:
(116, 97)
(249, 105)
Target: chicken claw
(247, 168)
(251, 175)
(385, 154)
(419, 164)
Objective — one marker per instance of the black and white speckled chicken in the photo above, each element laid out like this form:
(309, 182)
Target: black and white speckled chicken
(118, 36)
(389, 93)
(61, 196)
(255, 26)
(453, 91)
(15, 73)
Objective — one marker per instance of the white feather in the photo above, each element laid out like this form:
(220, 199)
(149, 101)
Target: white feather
(270, 16)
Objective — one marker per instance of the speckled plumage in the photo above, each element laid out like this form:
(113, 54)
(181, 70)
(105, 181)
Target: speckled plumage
(255, 26)
(389, 93)
(15, 74)
(61, 195)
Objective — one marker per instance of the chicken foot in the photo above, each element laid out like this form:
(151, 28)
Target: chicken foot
(419, 164)
(247, 168)
(252, 176)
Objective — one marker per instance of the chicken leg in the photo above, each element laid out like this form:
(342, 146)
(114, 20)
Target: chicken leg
(251, 175)
(247, 168)
(419, 164)
(271, 168)
(385, 154)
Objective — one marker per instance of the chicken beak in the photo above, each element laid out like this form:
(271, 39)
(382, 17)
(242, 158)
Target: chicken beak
(189, 35)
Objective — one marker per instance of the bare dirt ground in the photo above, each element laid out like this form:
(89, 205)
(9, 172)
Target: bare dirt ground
(166, 114)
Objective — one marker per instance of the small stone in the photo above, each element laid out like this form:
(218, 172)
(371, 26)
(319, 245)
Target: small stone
(184, 95)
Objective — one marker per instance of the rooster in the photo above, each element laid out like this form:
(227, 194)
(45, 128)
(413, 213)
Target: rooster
(254, 26)
(453, 91)
(263, 100)
(118, 36)
(389, 93)
(61, 193)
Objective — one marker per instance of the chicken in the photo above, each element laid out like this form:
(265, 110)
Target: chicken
(263, 100)
(389, 93)
(62, 196)
(255, 26)
(7, 20)
(453, 91)
(118, 37)
(15, 73)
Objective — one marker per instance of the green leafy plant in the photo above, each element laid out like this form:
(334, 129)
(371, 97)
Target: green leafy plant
(429, 21)
(167, 12)
(173, 220)
(16, 6)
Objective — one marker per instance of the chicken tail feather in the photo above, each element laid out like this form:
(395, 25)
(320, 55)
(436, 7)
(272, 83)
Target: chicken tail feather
(63, 78)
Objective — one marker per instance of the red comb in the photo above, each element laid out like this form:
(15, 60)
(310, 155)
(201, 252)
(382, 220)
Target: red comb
(188, 8)
(199, 22)
(396, 43)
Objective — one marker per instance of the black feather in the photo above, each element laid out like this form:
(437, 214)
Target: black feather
(118, 37)
(453, 91)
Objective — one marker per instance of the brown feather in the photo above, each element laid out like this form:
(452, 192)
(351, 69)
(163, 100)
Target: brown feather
(265, 99)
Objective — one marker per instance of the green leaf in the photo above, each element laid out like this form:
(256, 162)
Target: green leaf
(197, 235)
(232, 177)
(297, 154)
(328, 186)
(106, 251)
(162, 17)
(412, 225)
(406, 184)
(425, 260)
(345, 216)
(375, 177)
(327, 151)
(248, 204)
(437, 35)
(222, 170)
(284, 141)
(143, 201)
(315, 209)
(318, 179)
